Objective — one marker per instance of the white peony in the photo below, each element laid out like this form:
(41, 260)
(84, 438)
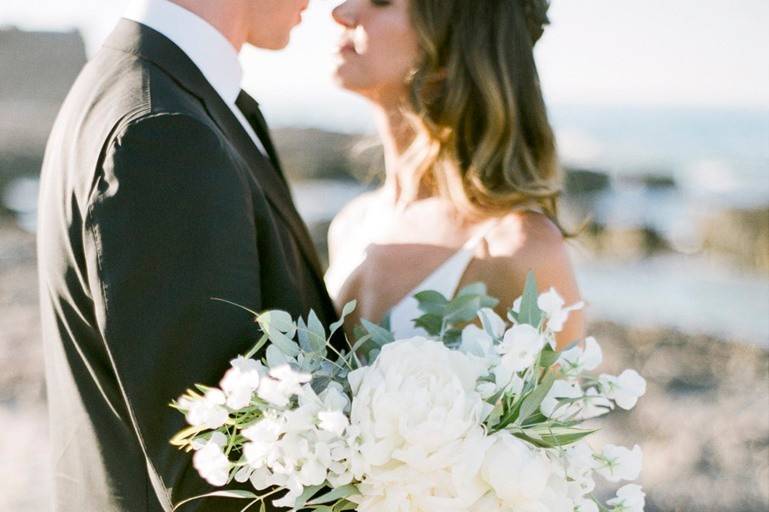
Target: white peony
(419, 416)
(516, 472)
(417, 394)
(618, 463)
(625, 389)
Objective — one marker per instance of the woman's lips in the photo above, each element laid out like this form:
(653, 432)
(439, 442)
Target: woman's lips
(347, 47)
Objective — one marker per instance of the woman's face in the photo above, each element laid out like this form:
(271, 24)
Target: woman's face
(378, 48)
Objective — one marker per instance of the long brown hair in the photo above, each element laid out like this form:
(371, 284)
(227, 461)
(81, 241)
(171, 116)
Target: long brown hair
(483, 139)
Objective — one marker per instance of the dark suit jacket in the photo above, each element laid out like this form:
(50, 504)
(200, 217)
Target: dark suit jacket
(153, 201)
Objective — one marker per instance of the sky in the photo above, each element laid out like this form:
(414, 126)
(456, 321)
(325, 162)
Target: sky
(682, 53)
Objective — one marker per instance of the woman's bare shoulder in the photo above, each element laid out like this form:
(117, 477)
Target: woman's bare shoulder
(349, 216)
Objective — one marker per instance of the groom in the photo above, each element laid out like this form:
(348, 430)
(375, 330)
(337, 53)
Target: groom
(160, 189)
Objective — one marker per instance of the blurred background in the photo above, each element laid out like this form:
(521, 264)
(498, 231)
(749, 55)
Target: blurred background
(662, 114)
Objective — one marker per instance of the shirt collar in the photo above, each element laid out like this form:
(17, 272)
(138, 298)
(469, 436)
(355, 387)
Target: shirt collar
(211, 52)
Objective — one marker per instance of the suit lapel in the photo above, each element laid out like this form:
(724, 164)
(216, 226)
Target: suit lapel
(150, 45)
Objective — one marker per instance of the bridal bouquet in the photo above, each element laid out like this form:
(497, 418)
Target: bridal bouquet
(473, 417)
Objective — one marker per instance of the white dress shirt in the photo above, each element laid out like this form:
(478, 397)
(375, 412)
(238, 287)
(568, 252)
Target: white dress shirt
(208, 49)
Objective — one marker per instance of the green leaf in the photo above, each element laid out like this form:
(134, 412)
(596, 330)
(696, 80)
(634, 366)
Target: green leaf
(317, 329)
(478, 289)
(280, 328)
(277, 320)
(530, 313)
(308, 493)
(558, 436)
(464, 308)
(379, 335)
(548, 357)
(335, 494)
(361, 341)
(534, 399)
(346, 310)
(237, 494)
(431, 302)
(430, 323)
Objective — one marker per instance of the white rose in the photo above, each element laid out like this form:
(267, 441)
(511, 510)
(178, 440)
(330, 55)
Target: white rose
(517, 473)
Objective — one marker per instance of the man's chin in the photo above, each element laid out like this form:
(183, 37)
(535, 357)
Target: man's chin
(276, 44)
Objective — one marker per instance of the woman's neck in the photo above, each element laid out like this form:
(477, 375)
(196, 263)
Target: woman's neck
(397, 134)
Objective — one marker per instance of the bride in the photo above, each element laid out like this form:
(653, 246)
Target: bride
(472, 178)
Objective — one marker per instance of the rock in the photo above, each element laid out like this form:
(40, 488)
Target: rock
(579, 182)
(739, 235)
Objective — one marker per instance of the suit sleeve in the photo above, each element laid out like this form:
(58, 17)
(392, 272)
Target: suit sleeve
(171, 225)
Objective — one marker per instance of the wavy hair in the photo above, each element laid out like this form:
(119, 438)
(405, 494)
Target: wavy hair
(483, 139)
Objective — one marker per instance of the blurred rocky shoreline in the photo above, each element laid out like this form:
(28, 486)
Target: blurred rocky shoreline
(704, 423)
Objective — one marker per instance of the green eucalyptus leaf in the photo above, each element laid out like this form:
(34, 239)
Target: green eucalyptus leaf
(432, 324)
(308, 493)
(431, 302)
(379, 335)
(463, 308)
(530, 313)
(346, 310)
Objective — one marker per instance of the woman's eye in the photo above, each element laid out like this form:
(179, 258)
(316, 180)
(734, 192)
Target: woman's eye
(381, 3)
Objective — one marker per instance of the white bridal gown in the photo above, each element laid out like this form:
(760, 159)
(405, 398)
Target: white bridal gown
(445, 279)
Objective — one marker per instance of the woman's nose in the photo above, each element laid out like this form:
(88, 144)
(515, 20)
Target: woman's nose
(344, 15)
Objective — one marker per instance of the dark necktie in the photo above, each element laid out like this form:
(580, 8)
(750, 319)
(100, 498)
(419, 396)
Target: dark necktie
(253, 114)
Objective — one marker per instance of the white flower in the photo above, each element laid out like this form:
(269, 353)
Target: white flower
(625, 390)
(585, 505)
(240, 381)
(578, 465)
(207, 412)
(333, 421)
(552, 305)
(555, 404)
(476, 342)
(630, 498)
(520, 347)
(419, 416)
(492, 323)
(594, 404)
(211, 462)
(281, 384)
(618, 463)
(517, 473)
(578, 359)
(417, 393)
